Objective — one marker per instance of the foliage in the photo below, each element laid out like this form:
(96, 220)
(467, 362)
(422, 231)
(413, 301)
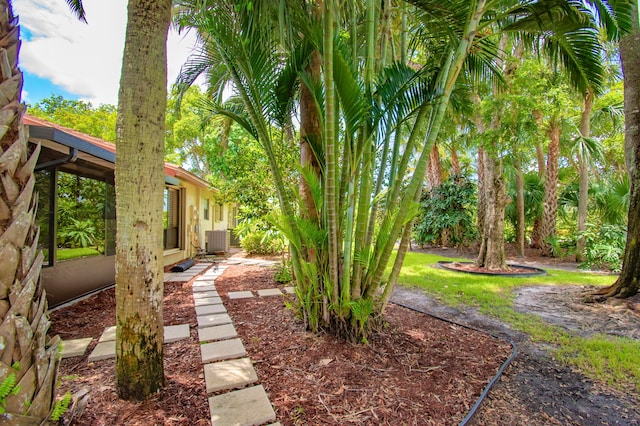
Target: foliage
(8, 387)
(284, 273)
(79, 233)
(604, 247)
(448, 207)
(377, 118)
(78, 115)
(61, 406)
(258, 237)
(214, 147)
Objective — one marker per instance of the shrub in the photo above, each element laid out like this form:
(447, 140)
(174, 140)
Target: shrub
(446, 213)
(604, 247)
(262, 242)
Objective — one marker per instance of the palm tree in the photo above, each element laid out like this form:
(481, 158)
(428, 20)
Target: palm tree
(139, 188)
(628, 283)
(29, 357)
(366, 194)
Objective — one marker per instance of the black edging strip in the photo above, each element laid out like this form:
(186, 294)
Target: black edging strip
(495, 378)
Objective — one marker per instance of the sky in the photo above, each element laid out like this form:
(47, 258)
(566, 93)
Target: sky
(62, 56)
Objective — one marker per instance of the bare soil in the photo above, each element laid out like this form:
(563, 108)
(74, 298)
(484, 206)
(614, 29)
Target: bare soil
(420, 370)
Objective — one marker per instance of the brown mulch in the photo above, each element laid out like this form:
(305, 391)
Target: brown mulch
(418, 370)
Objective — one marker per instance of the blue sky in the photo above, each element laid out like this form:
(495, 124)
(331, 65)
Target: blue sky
(63, 56)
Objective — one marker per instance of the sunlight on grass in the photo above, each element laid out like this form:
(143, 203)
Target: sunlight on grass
(74, 253)
(613, 360)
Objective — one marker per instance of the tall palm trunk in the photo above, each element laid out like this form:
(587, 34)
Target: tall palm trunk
(551, 189)
(536, 233)
(28, 357)
(628, 283)
(520, 216)
(583, 166)
(139, 195)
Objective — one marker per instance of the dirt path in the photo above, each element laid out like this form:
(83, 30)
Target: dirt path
(535, 389)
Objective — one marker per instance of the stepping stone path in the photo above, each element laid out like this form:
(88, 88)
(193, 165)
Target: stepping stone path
(227, 370)
(226, 367)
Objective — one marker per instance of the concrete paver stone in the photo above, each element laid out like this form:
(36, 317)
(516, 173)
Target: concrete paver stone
(173, 333)
(232, 374)
(213, 319)
(75, 347)
(270, 292)
(248, 406)
(204, 294)
(224, 349)
(239, 294)
(289, 290)
(203, 288)
(218, 332)
(207, 301)
(210, 309)
(103, 350)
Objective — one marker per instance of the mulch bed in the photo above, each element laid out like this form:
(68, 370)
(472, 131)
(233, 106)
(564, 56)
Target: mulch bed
(418, 370)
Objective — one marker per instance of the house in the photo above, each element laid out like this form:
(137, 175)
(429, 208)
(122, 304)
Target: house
(76, 211)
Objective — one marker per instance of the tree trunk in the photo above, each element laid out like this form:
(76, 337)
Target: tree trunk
(310, 133)
(139, 200)
(550, 189)
(536, 232)
(520, 219)
(583, 166)
(628, 282)
(491, 254)
(27, 353)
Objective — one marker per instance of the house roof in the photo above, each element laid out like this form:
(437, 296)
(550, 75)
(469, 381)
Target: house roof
(52, 136)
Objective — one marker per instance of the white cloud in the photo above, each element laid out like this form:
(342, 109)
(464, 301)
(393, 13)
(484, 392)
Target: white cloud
(84, 59)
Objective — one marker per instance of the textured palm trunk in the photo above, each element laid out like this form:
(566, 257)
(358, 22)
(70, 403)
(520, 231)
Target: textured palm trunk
(520, 217)
(310, 132)
(27, 354)
(139, 205)
(628, 282)
(583, 166)
(434, 179)
(536, 233)
(548, 227)
(491, 255)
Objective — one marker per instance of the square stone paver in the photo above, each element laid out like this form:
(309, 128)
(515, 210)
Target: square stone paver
(207, 301)
(213, 319)
(108, 334)
(239, 294)
(270, 292)
(103, 350)
(204, 294)
(173, 333)
(232, 374)
(210, 309)
(203, 288)
(224, 349)
(289, 290)
(75, 347)
(248, 406)
(218, 332)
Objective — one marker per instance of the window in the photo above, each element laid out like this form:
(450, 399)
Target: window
(206, 209)
(76, 215)
(171, 218)
(220, 216)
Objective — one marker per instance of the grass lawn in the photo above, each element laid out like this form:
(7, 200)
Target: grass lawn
(73, 253)
(613, 360)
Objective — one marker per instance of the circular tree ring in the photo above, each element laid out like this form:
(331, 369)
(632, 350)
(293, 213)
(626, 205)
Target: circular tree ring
(516, 271)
